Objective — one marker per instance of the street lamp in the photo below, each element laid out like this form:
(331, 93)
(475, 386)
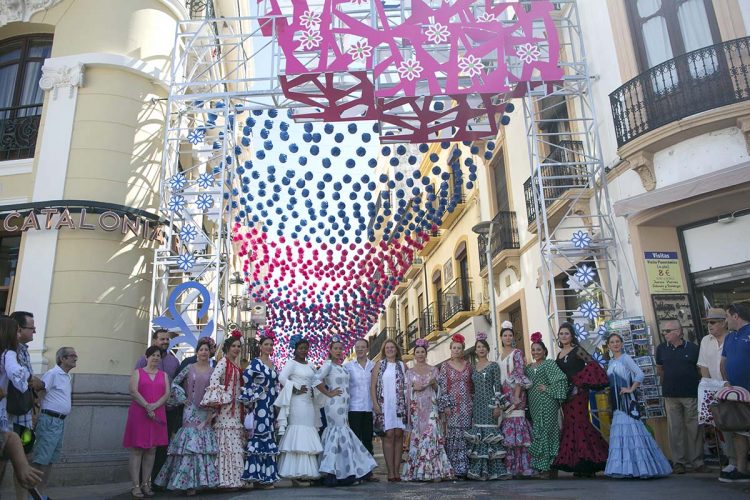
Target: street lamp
(484, 230)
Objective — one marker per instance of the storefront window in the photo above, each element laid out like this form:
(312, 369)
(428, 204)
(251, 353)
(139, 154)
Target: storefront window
(9, 248)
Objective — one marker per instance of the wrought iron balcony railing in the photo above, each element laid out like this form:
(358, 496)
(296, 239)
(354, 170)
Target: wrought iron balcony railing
(19, 127)
(504, 236)
(430, 319)
(456, 298)
(412, 333)
(379, 339)
(564, 168)
(200, 9)
(691, 83)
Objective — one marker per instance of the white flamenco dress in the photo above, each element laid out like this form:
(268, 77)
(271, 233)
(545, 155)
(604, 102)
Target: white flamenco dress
(298, 421)
(344, 455)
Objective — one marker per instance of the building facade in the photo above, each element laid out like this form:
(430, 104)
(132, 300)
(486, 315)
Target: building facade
(82, 117)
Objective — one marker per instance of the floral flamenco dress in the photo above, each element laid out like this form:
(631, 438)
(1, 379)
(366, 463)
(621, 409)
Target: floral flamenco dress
(193, 451)
(345, 459)
(633, 453)
(222, 393)
(259, 392)
(545, 407)
(456, 394)
(486, 453)
(583, 450)
(427, 458)
(515, 426)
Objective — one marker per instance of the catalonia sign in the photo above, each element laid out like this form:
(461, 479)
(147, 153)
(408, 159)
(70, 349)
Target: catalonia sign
(40, 219)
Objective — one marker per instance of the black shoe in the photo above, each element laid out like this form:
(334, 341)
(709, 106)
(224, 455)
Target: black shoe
(734, 477)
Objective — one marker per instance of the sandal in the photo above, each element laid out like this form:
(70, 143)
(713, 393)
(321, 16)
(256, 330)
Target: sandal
(146, 489)
(136, 492)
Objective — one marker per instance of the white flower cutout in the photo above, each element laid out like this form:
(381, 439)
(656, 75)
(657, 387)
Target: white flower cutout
(186, 261)
(361, 50)
(437, 33)
(177, 181)
(410, 69)
(205, 180)
(359, 2)
(188, 233)
(471, 66)
(309, 39)
(585, 274)
(528, 53)
(581, 239)
(310, 19)
(486, 18)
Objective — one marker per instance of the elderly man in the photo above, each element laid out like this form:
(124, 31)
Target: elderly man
(56, 405)
(676, 361)
(735, 366)
(709, 364)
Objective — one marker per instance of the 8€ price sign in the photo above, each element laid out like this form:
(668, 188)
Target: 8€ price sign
(663, 272)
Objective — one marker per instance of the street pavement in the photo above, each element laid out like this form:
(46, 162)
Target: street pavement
(685, 487)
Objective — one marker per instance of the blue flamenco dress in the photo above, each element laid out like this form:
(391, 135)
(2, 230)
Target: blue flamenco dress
(633, 453)
(260, 390)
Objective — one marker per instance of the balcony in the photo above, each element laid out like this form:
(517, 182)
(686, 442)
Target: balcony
(433, 240)
(201, 9)
(561, 171)
(449, 218)
(691, 83)
(379, 339)
(414, 268)
(412, 334)
(430, 320)
(19, 128)
(399, 338)
(401, 286)
(504, 239)
(456, 302)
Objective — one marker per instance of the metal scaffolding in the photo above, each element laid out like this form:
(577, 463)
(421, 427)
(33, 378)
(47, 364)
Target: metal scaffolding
(567, 196)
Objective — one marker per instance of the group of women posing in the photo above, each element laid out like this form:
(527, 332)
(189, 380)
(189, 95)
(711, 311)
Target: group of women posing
(463, 421)
(473, 422)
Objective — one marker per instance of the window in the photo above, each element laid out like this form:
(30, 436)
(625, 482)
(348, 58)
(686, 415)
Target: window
(502, 203)
(21, 61)
(9, 249)
(665, 29)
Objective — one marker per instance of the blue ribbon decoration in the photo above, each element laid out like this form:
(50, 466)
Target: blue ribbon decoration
(176, 321)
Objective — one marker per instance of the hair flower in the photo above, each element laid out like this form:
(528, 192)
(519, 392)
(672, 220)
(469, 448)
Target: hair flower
(457, 337)
(482, 336)
(536, 337)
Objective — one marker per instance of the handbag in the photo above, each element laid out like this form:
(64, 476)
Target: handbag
(731, 416)
(19, 403)
(27, 436)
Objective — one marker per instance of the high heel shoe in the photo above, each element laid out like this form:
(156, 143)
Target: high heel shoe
(135, 492)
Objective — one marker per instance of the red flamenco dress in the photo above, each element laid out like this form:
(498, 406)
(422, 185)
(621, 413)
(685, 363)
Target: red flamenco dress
(583, 450)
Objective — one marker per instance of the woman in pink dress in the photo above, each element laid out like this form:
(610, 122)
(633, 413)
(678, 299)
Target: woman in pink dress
(427, 458)
(146, 427)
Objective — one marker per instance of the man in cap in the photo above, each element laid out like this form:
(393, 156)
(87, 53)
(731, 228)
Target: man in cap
(709, 364)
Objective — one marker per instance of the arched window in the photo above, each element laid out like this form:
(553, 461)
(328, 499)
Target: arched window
(21, 60)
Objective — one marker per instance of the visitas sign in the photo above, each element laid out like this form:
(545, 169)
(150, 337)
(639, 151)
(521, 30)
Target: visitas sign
(79, 218)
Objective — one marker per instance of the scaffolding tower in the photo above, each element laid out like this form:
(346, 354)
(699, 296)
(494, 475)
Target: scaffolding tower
(567, 194)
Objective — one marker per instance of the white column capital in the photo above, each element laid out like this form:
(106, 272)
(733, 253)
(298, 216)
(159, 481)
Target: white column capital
(22, 10)
(56, 76)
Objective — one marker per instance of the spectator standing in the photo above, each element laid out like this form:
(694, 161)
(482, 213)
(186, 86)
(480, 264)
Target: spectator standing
(360, 404)
(192, 359)
(676, 361)
(26, 330)
(56, 405)
(146, 427)
(709, 364)
(170, 365)
(735, 366)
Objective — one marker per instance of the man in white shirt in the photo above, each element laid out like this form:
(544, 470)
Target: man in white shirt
(360, 404)
(709, 362)
(56, 404)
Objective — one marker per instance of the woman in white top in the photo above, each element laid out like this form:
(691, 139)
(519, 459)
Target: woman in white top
(388, 390)
(298, 417)
(11, 371)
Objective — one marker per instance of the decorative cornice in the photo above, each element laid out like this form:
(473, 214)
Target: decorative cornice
(643, 164)
(55, 76)
(22, 10)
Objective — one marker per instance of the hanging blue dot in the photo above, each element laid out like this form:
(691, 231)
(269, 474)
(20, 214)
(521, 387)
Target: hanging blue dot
(308, 127)
(488, 155)
(326, 162)
(372, 163)
(327, 178)
(335, 151)
(505, 120)
(350, 163)
(361, 151)
(273, 113)
(314, 150)
(366, 137)
(307, 137)
(302, 160)
(293, 148)
(394, 161)
(434, 157)
(260, 154)
(438, 106)
(308, 176)
(339, 137)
